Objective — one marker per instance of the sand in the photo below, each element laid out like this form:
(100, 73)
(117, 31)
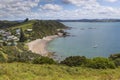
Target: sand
(38, 46)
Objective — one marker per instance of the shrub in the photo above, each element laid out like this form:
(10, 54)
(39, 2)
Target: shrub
(117, 62)
(100, 63)
(26, 56)
(114, 56)
(22, 36)
(2, 59)
(74, 61)
(43, 60)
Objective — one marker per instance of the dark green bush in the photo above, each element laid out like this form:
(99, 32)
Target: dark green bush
(43, 60)
(2, 59)
(74, 61)
(25, 56)
(100, 63)
(114, 56)
(117, 62)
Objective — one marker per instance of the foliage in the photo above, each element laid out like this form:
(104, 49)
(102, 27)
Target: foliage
(100, 63)
(25, 56)
(74, 61)
(117, 62)
(114, 56)
(6, 24)
(43, 60)
(22, 36)
(26, 20)
(42, 28)
(25, 71)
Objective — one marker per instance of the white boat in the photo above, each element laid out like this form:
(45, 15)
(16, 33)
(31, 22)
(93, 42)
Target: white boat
(95, 46)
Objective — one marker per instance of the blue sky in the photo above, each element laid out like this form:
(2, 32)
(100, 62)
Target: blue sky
(59, 9)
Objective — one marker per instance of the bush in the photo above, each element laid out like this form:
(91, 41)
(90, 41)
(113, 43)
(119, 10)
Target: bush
(117, 62)
(114, 56)
(43, 60)
(2, 59)
(26, 56)
(100, 63)
(74, 61)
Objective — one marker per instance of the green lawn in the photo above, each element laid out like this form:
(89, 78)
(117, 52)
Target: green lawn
(25, 71)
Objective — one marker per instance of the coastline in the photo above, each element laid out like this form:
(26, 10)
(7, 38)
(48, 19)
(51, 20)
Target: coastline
(38, 46)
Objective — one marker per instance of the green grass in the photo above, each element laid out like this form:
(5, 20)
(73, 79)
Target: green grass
(24, 26)
(24, 71)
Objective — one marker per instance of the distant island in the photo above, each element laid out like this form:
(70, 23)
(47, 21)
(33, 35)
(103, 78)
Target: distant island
(91, 20)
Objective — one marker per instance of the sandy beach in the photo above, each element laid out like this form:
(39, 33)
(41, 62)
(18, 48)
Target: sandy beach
(38, 46)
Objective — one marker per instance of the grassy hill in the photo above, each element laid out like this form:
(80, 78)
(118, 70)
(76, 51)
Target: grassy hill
(11, 56)
(24, 71)
(40, 29)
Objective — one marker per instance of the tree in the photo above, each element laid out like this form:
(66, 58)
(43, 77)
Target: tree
(115, 56)
(74, 61)
(22, 36)
(100, 63)
(26, 20)
(43, 60)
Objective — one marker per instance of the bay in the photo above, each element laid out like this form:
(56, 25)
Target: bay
(88, 39)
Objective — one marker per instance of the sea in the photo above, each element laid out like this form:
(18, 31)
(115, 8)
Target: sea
(90, 39)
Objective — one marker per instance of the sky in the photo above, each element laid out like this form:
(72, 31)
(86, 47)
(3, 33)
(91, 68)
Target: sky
(59, 9)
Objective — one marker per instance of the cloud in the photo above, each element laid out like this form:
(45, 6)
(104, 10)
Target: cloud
(14, 8)
(53, 7)
(111, 0)
(35, 9)
(80, 2)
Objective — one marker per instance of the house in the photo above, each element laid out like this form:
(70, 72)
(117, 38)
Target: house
(2, 31)
(6, 34)
(29, 30)
(18, 31)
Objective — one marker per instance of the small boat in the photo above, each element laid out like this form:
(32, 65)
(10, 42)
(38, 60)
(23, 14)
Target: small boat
(95, 46)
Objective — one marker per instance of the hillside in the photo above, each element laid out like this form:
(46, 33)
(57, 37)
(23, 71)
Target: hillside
(10, 44)
(17, 63)
(22, 71)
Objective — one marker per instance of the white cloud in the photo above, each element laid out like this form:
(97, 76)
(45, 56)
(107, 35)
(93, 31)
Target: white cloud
(19, 9)
(14, 8)
(53, 7)
(111, 0)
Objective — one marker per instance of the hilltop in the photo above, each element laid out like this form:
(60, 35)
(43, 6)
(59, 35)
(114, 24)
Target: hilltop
(14, 36)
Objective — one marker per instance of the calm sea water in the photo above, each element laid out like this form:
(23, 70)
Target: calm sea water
(88, 39)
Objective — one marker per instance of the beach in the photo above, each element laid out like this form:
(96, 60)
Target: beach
(38, 46)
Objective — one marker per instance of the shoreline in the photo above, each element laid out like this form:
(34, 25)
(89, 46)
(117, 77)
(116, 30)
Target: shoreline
(38, 46)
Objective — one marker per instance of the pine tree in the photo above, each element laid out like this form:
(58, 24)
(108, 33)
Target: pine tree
(26, 20)
(22, 36)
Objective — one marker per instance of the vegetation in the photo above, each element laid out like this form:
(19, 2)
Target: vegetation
(43, 60)
(22, 36)
(26, 20)
(24, 71)
(114, 56)
(46, 28)
(96, 63)
(6, 24)
(36, 67)
(100, 63)
(74, 61)
(39, 29)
